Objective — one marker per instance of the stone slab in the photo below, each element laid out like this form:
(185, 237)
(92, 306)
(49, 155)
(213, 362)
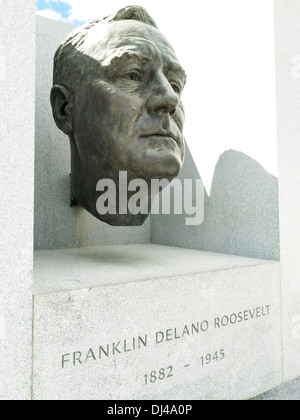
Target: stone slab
(240, 215)
(69, 269)
(287, 29)
(17, 51)
(148, 335)
(55, 223)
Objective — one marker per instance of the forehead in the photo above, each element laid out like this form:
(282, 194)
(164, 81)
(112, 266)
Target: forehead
(118, 38)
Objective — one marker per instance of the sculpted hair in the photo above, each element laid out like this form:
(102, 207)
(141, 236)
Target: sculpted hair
(70, 53)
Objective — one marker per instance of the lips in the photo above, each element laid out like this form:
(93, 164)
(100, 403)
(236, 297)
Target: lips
(164, 135)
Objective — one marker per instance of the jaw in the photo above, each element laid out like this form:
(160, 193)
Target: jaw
(88, 198)
(123, 220)
(154, 164)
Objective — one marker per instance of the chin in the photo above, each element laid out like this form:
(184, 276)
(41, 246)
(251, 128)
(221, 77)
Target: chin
(122, 220)
(167, 166)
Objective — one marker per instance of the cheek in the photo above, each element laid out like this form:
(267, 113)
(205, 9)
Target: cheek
(105, 122)
(105, 113)
(112, 107)
(123, 110)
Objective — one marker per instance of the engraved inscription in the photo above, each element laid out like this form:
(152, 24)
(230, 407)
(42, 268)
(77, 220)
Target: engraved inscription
(163, 374)
(214, 357)
(109, 350)
(157, 338)
(243, 316)
(177, 333)
(159, 375)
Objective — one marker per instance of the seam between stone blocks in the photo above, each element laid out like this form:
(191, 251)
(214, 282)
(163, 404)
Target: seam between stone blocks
(281, 321)
(281, 339)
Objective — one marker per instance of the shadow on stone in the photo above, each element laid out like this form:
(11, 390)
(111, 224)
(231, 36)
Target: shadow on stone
(286, 392)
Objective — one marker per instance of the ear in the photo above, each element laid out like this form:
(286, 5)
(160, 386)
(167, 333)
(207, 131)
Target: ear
(62, 108)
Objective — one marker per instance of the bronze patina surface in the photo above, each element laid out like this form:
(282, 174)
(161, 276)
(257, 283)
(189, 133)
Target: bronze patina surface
(117, 95)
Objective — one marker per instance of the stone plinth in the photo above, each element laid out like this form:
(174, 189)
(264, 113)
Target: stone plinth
(154, 322)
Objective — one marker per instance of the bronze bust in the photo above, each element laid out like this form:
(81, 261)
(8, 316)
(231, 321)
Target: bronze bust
(116, 94)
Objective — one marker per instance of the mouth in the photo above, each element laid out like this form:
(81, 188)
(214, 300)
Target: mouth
(161, 136)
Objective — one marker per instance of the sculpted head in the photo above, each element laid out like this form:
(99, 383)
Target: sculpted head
(116, 94)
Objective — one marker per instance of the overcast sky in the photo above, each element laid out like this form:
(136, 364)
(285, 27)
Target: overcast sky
(227, 50)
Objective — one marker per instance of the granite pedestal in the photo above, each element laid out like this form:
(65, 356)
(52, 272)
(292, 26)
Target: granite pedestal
(154, 322)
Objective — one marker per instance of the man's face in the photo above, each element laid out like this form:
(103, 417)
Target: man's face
(128, 115)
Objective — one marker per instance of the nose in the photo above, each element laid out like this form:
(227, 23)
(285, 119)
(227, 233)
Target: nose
(163, 98)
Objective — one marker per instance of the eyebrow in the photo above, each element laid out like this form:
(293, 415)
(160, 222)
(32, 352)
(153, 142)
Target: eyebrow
(129, 55)
(177, 69)
(171, 66)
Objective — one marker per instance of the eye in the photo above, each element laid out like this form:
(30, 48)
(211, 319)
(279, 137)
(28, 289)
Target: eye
(133, 75)
(176, 87)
